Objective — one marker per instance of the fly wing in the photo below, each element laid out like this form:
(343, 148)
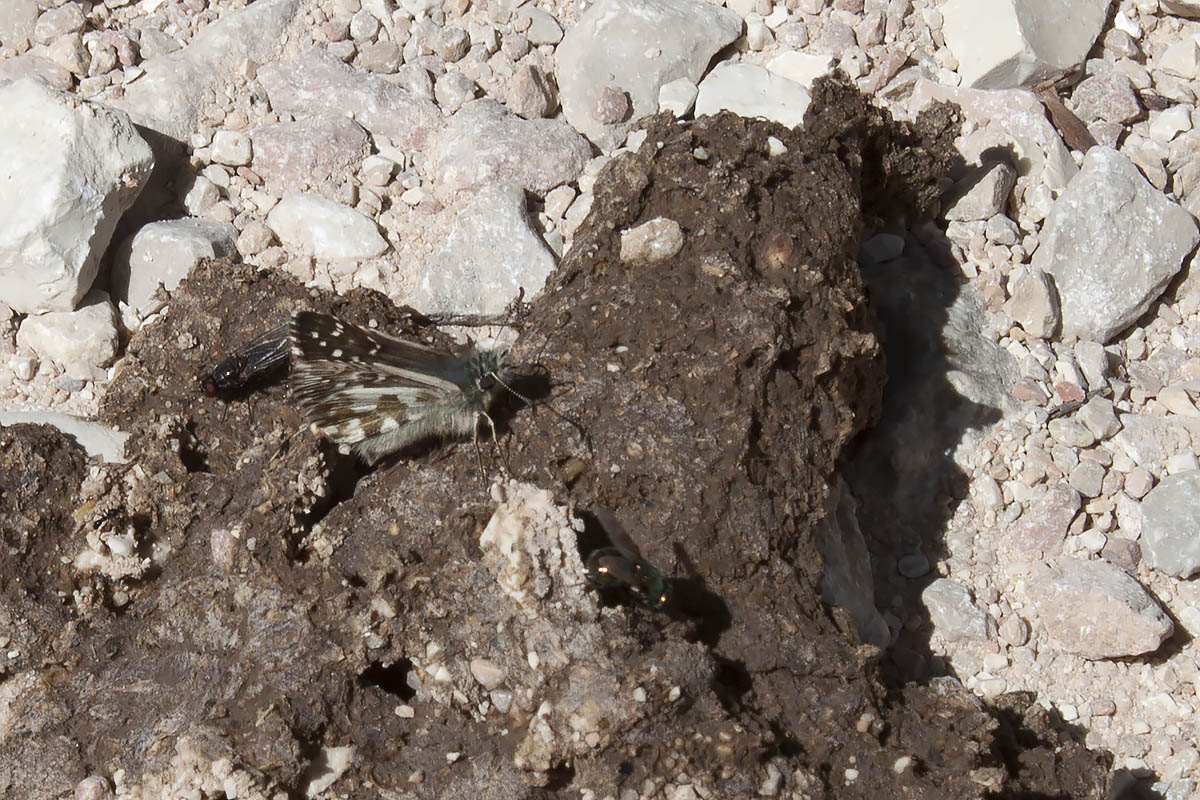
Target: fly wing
(354, 384)
(616, 532)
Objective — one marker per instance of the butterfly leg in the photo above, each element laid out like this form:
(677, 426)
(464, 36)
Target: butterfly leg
(499, 447)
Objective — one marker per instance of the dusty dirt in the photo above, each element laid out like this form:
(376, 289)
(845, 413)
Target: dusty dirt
(281, 601)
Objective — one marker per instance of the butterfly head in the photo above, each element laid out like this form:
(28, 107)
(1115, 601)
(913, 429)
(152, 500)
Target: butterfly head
(490, 372)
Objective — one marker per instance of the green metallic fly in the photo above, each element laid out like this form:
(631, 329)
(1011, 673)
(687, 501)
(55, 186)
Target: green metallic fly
(622, 565)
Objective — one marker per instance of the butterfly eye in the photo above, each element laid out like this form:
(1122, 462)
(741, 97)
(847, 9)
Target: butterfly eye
(487, 382)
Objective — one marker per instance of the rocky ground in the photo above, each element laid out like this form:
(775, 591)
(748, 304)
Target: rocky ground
(1007, 531)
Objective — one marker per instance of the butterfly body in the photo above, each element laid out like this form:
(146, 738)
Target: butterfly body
(377, 394)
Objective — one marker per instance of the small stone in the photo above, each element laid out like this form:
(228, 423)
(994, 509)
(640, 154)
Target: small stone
(982, 193)
(364, 26)
(1125, 553)
(1002, 230)
(678, 97)
(657, 240)
(543, 28)
(231, 148)
(1182, 462)
(530, 93)
(913, 565)
(324, 229)
(1014, 631)
(1109, 97)
(1165, 125)
(84, 341)
(1045, 526)
(405, 712)
(1170, 543)
(1087, 478)
(202, 195)
(1034, 304)
(377, 170)
(612, 106)
(758, 35)
(451, 43)
(1102, 707)
(254, 238)
(489, 675)
(383, 58)
(93, 787)
(1093, 540)
(1100, 417)
(1070, 432)
(452, 91)
(515, 46)
(23, 366)
(954, 616)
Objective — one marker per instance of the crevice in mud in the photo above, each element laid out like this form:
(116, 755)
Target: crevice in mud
(560, 776)
(390, 678)
(192, 452)
(731, 682)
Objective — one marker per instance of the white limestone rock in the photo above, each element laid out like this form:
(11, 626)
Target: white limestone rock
(1096, 610)
(318, 83)
(491, 253)
(97, 439)
(72, 168)
(1112, 242)
(1034, 304)
(168, 95)
(484, 142)
(83, 341)
(323, 228)
(1012, 120)
(678, 97)
(752, 91)
(163, 253)
(954, 615)
(635, 46)
(1171, 529)
(1002, 44)
(803, 68)
(1182, 8)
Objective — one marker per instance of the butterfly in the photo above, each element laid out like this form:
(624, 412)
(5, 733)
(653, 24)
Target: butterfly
(377, 394)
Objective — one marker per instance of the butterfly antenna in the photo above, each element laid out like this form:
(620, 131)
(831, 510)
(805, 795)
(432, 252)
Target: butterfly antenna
(569, 420)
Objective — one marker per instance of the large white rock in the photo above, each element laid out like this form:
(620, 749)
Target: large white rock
(635, 46)
(97, 439)
(491, 253)
(83, 341)
(168, 96)
(70, 169)
(752, 91)
(1112, 242)
(1012, 120)
(318, 83)
(1097, 610)
(484, 142)
(1182, 8)
(1000, 44)
(163, 253)
(323, 228)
